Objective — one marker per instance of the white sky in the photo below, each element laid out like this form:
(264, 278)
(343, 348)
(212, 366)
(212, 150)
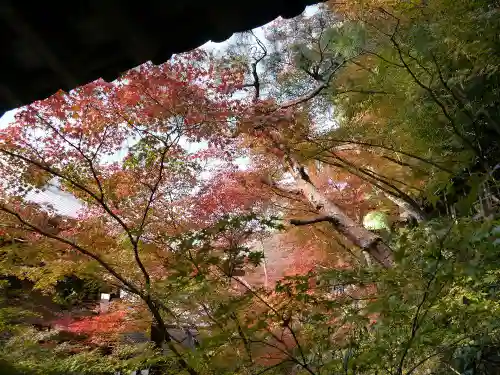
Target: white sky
(66, 204)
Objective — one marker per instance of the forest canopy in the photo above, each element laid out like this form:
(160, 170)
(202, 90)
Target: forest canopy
(320, 197)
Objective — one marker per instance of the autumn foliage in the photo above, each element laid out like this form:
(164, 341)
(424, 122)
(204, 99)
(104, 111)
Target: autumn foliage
(227, 196)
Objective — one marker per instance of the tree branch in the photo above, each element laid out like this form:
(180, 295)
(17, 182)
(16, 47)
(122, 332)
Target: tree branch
(243, 337)
(75, 246)
(383, 58)
(319, 219)
(379, 182)
(416, 319)
(323, 85)
(140, 230)
(435, 99)
(304, 98)
(256, 81)
(89, 160)
(416, 157)
(76, 184)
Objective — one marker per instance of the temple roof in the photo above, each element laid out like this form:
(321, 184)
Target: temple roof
(47, 46)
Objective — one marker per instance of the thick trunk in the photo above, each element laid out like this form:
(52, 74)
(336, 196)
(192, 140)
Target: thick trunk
(353, 231)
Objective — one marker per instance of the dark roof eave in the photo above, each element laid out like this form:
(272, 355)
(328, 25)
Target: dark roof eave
(52, 46)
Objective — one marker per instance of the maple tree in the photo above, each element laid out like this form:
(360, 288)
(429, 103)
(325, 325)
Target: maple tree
(71, 137)
(133, 217)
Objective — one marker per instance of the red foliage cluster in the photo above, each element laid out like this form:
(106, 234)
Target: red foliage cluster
(229, 192)
(101, 323)
(101, 328)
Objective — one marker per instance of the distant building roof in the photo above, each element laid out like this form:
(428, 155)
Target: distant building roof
(135, 337)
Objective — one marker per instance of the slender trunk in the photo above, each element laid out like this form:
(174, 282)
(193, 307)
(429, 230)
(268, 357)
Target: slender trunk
(486, 202)
(264, 264)
(353, 231)
(162, 336)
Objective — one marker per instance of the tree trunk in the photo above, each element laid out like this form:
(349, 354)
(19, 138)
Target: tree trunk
(353, 231)
(160, 335)
(392, 192)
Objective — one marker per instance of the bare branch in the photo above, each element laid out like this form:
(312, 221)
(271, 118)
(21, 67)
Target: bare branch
(383, 58)
(256, 80)
(376, 180)
(416, 157)
(319, 219)
(304, 98)
(323, 85)
(403, 164)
